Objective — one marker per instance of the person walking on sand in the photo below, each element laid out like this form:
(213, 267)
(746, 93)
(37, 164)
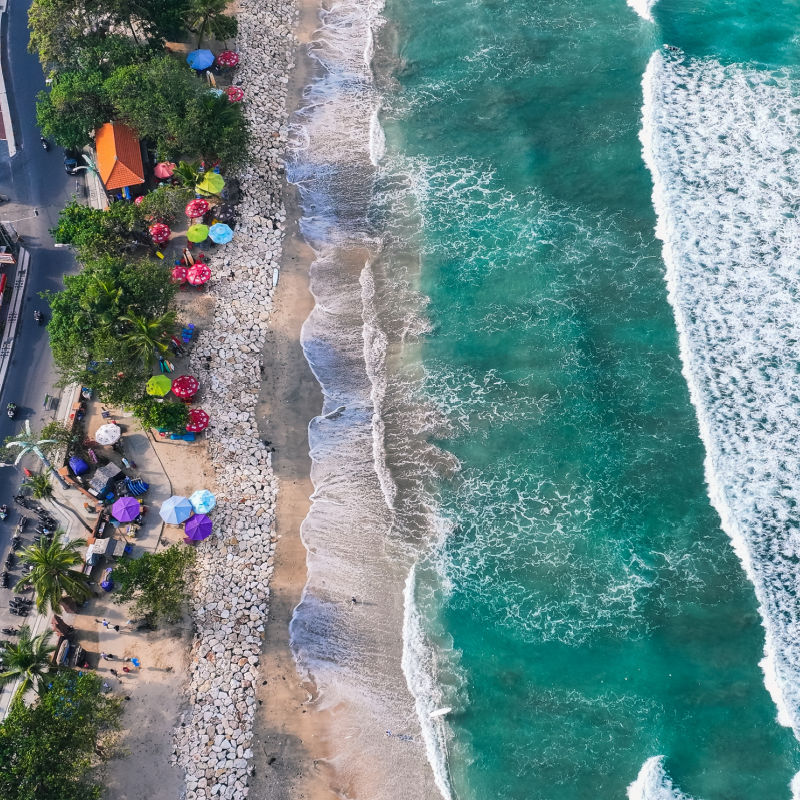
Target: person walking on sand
(114, 673)
(106, 656)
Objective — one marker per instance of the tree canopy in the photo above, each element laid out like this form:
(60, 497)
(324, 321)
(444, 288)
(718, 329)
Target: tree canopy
(155, 582)
(48, 749)
(165, 414)
(86, 329)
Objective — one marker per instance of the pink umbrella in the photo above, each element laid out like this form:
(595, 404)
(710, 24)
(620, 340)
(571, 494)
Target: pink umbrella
(198, 420)
(164, 169)
(198, 274)
(227, 58)
(235, 94)
(179, 275)
(139, 200)
(160, 232)
(185, 387)
(196, 208)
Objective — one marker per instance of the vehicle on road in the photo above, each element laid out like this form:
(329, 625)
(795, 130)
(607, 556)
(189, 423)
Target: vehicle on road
(37, 315)
(71, 162)
(11, 410)
(45, 143)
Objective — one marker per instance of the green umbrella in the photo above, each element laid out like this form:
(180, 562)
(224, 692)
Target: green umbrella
(197, 233)
(211, 183)
(158, 385)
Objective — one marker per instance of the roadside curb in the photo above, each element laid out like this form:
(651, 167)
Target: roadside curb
(12, 321)
(4, 107)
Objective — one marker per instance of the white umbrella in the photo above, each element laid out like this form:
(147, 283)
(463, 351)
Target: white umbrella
(108, 434)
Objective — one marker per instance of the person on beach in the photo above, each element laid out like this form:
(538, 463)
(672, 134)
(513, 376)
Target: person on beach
(114, 673)
(106, 656)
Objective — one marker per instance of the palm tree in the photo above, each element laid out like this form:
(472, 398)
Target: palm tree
(209, 15)
(188, 173)
(40, 486)
(28, 442)
(29, 659)
(147, 336)
(53, 575)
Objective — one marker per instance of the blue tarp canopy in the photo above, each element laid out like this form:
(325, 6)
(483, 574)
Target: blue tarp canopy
(78, 465)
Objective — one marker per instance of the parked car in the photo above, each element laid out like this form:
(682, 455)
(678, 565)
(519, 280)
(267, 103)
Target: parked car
(71, 162)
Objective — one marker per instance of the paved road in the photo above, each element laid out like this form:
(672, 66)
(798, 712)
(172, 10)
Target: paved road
(34, 180)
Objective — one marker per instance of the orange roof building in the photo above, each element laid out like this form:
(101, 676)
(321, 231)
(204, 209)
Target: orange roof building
(119, 157)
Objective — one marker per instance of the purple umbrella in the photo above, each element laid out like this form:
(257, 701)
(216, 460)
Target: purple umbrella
(198, 527)
(126, 509)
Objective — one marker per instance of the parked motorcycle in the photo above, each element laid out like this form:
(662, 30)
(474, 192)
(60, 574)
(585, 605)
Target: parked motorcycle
(11, 410)
(37, 315)
(10, 560)
(45, 143)
(20, 612)
(10, 631)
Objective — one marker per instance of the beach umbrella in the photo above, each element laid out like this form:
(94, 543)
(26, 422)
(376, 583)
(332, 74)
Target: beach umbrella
(198, 420)
(235, 94)
(197, 233)
(176, 510)
(108, 434)
(126, 509)
(185, 387)
(220, 233)
(198, 528)
(202, 501)
(200, 59)
(227, 58)
(78, 465)
(198, 274)
(164, 169)
(212, 183)
(158, 385)
(160, 232)
(197, 207)
(178, 275)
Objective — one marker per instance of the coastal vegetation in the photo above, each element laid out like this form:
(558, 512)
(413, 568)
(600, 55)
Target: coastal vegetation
(54, 576)
(156, 583)
(109, 62)
(27, 660)
(48, 749)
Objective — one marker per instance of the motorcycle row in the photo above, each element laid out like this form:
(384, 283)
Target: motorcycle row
(44, 531)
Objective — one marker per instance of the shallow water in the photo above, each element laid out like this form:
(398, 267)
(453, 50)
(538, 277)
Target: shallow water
(520, 443)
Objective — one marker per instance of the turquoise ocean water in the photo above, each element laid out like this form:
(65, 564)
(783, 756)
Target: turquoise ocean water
(584, 432)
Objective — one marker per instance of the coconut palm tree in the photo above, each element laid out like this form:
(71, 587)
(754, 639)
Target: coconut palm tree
(29, 442)
(144, 336)
(209, 16)
(40, 487)
(188, 173)
(28, 659)
(53, 575)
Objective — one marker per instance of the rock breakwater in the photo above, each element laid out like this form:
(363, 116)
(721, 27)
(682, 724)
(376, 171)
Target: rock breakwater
(231, 593)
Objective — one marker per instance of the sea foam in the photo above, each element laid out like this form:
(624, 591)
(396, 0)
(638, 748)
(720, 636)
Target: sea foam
(643, 8)
(721, 144)
(653, 783)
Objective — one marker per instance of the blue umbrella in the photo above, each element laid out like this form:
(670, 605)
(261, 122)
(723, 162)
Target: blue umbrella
(176, 510)
(200, 59)
(202, 501)
(220, 233)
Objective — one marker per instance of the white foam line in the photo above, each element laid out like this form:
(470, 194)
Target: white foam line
(419, 671)
(653, 783)
(692, 370)
(643, 8)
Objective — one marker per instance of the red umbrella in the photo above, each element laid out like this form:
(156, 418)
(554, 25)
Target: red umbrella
(235, 94)
(196, 208)
(160, 232)
(198, 274)
(164, 169)
(139, 200)
(185, 387)
(198, 420)
(227, 58)
(179, 275)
